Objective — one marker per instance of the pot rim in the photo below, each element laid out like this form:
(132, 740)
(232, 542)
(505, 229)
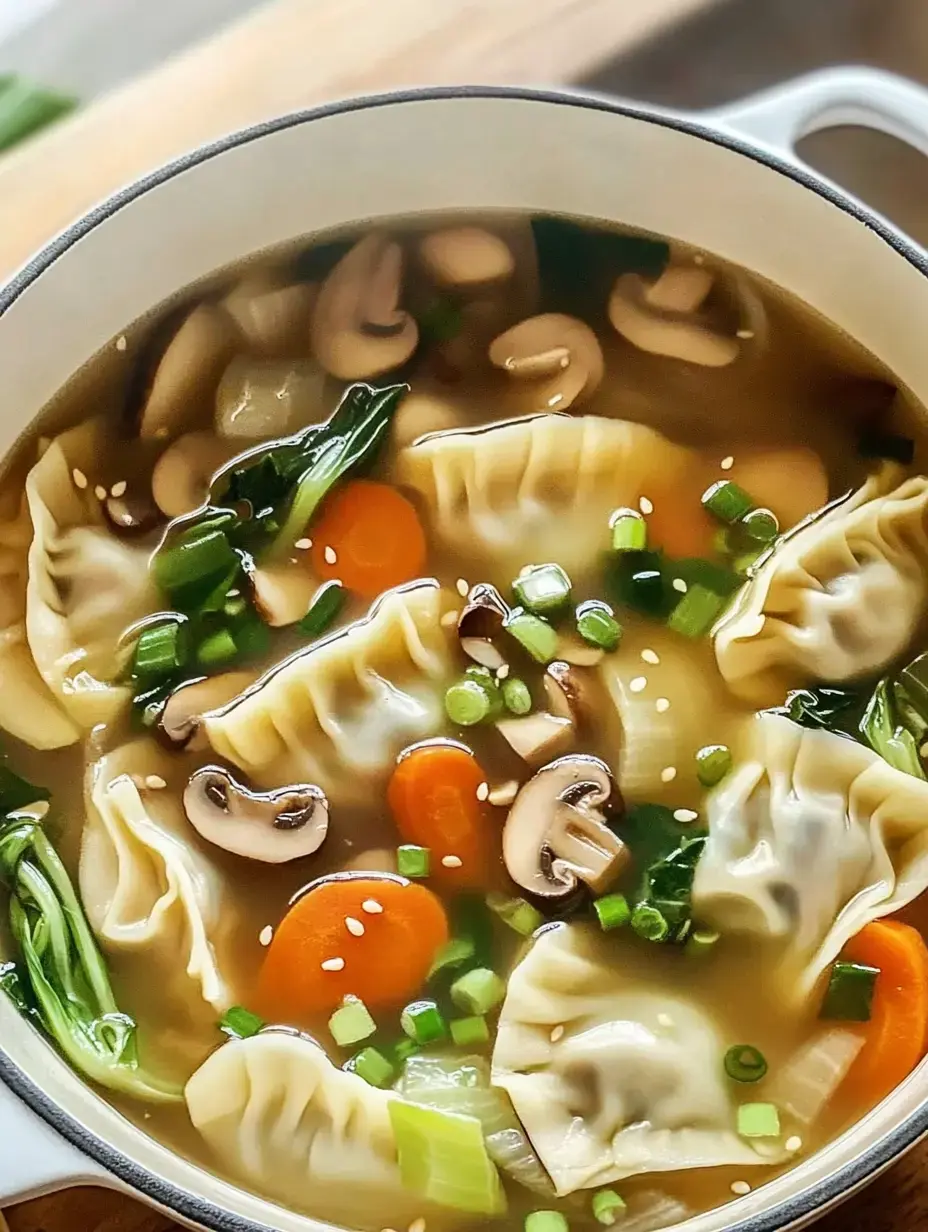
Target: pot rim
(820, 1196)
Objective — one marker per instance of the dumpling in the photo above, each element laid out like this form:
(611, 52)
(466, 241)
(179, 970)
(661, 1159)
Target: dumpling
(28, 708)
(665, 713)
(535, 489)
(810, 838)
(338, 713)
(632, 1084)
(85, 586)
(841, 597)
(150, 892)
(279, 1116)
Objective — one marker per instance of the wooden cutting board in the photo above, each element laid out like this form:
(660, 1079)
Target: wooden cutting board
(292, 54)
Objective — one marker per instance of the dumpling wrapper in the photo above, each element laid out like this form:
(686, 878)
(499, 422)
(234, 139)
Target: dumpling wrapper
(841, 596)
(280, 1117)
(535, 490)
(338, 713)
(152, 895)
(633, 1084)
(811, 837)
(86, 586)
(28, 708)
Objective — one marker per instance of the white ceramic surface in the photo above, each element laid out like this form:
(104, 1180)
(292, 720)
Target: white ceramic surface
(696, 179)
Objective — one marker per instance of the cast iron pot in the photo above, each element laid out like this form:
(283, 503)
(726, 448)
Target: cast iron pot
(727, 182)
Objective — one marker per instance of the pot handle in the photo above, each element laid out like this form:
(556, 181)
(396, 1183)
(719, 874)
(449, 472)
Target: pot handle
(781, 116)
(36, 1160)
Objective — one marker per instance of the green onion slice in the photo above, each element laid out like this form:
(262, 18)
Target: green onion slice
(745, 1063)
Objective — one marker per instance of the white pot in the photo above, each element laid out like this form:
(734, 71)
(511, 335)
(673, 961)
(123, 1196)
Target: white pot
(727, 182)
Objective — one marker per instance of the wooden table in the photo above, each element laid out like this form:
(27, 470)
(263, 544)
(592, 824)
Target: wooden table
(288, 55)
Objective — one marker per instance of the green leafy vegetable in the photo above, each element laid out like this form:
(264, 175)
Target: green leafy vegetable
(665, 854)
(835, 710)
(578, 265)
(25, 108)
(886, 730)
(239, 1023)
(443, 1158)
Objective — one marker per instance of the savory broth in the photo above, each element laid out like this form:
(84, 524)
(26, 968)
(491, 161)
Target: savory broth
(380, 603)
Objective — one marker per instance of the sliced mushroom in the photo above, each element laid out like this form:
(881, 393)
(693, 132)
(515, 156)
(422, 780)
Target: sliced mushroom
(661, 317)
(185, 377)
(133, 513)
(567, 693)
(504, 793)
(180, 719)
(555, 361)
(483, 620)
(537, 737)
(181, 478)
(271, 826)
(421, 414)
(283, 593)
(260, 398)
(466, 257)
(556, 833)
(358, 328)
(273, 319)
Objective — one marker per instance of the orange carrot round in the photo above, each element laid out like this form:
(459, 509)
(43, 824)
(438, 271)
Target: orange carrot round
(433, 796)
(369, 537)
(897, 1032)
(678, 523)
(316, 959)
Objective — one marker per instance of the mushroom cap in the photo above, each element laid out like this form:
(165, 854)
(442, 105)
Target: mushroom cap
(181, 478)
(555, 361)
(180, 717)
(466, 257)
(660, 317)
(556, 836)
(271, 826)
(482, 620)
(358, 328)
(185, 376)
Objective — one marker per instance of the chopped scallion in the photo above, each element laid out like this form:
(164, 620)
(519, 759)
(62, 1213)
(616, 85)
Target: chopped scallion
(701, 941)
(696, 612)
(534, 635)
(745, 1063)
(412, 861)
(371, 1065)
(546, 1221)
(453, 953)
(607, 1207)
(161, 650)
(849, 996)
(612, 911)
(467, 703)
(324, 610)
(759, 526)
(469, 1032)
(520, 915)
(404, 1049)
(478, 991)
(640, 580)
(443, 1158)
(758, 1121)
(649, 923)
(218, 647)
(629, 531)
(726, 501)
(713, 762)
(239, 1023)
(199, 553)
(597, 625)
(422, 1021)
(516, 696)
(351, 1023)
(543, 589)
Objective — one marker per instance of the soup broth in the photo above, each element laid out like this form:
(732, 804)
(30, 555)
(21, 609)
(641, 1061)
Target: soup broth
(476, 667)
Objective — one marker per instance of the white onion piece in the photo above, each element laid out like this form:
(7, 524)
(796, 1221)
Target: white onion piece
(812, 1075)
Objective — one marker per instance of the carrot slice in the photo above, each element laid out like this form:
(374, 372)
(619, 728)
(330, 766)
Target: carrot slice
(385, 966)
(433, 798)
(897, 1032)
(369, 538)
(678, 523)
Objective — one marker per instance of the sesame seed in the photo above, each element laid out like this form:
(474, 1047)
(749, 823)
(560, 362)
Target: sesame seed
(80, 479)
(155, 782)
(556, 1033)
(645, 505)
(794, 1143)
(668, 774)
(331, 556)
(121, 342)
(740, 1188)
(451, 861)
(449, 619)
(727, 463)
(745, 333)
(679, 584)
(372, 907)
(266, 935)
(303, 544)
(662, 705)
(483, 791)
(233, 593)
(502, 672)
(650, 656)
(682, 814)
(333, 964)
(639, 683)
(355, 927)
(100, 492)
(119, 489)
(417, 1225)
(463, 587)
